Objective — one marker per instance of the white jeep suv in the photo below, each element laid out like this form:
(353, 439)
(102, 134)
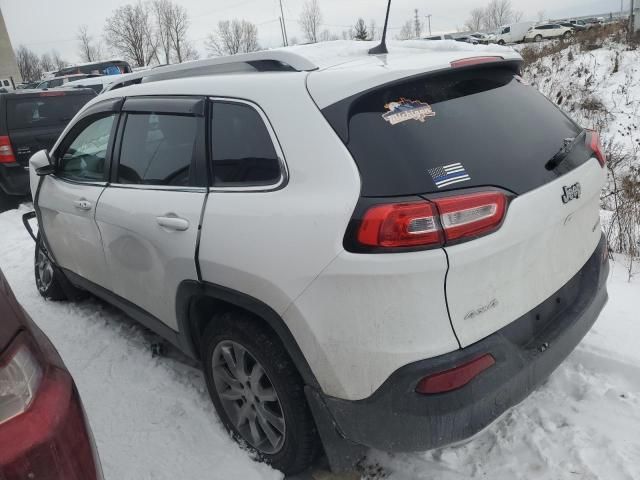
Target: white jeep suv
(382, 251)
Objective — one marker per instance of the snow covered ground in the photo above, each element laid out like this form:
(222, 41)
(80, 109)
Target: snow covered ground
(152, 417)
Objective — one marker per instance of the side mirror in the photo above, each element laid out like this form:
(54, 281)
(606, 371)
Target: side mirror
(46, 170)
(41, 164)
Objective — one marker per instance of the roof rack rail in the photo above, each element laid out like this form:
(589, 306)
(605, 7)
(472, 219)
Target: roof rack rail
(266, 61)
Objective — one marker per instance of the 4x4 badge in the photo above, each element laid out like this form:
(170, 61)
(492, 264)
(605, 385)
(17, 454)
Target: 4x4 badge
(571, 193)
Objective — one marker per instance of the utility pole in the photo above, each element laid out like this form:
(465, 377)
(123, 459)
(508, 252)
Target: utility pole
(428, 17)
(285, 37)
(632, 23)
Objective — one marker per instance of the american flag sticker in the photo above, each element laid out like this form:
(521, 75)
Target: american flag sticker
(449, 174)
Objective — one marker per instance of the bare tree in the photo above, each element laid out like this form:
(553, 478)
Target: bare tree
(46, 63)
(88, 50)
(517, 15)
(541, 15)
(310, 20)
(373, 30)
(28, 64)
(360, 31)
(231, 37)
(161, 9)
(417, 26)
(498, 13)
(327, 36)
(57, 60)
(406, 32)
(130, 32)
(172, 24)
(475, 20)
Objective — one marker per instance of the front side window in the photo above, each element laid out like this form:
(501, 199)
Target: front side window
(243, 153)
(85, 157)
(158, 149)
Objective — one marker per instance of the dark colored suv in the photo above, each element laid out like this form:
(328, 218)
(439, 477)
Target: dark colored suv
(31, 121)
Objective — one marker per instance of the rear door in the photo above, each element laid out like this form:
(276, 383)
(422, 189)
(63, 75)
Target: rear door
(67, 200)
(36, 121)
(149, 216)
(475, 130)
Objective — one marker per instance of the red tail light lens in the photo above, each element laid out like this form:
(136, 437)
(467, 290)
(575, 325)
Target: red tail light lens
(6, 150)
(593, 142)
(400, 225)
(466, 62)
(431, 223)
(471, 215)
(456, 377)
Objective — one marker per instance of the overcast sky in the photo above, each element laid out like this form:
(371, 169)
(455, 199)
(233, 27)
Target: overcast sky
(43, 25)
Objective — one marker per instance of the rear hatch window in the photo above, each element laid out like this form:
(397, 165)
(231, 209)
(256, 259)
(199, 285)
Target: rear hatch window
(454, 130)
(45, 110)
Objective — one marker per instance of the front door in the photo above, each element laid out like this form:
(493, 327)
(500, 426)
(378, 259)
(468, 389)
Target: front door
(149, 216)
(67, 200)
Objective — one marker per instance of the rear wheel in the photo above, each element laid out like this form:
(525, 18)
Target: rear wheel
(500, 42)
(48, 277)
(566, 35)
(538, 38)
(258, 393)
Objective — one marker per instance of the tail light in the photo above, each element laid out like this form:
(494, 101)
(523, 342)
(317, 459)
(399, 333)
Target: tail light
(400, 225)
(455, 378)
(593, 142)
(6, 150)
(20, 377)
(431, 223)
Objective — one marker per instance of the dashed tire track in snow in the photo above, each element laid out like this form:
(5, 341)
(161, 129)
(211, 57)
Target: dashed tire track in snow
(153, 419)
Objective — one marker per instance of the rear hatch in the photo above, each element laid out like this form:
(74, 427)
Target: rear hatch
(35, 120)
(482, 127)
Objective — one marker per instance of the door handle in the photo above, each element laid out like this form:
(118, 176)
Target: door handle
(173, 223)
(83, 205)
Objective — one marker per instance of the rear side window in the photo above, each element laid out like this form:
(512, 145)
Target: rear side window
(485, 127)
(158, 149)
(43, 111)
(243, 153)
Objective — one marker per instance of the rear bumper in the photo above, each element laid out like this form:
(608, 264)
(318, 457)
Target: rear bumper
(397, 419)
(14, 179)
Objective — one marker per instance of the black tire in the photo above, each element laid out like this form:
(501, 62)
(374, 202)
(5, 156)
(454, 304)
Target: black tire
(567, 35)
(300, 441)
(501, 42)
(49, 279)
(538, 38)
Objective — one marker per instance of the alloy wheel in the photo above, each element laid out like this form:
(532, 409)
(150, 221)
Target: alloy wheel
(44, 269)
(248, 397)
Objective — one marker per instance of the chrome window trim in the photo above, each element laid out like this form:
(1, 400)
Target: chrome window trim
(284, 169)
(161, 188)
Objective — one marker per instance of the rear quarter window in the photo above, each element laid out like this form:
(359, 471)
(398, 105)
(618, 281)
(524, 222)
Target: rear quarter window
(43, 111)
(501, 131)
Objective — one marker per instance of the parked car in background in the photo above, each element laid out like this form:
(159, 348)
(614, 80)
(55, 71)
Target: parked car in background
(31, 120)
(6, 84)
(512, 33)
(439, 37)
(548, 31)
(54, 82)
(97, 84)
(576, 27)
(330, 293)
(467, 39)
(44, 432)
(106, 67)
(580, 23)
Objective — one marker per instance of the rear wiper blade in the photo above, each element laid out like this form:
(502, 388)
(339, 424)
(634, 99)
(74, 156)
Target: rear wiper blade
(567, 147)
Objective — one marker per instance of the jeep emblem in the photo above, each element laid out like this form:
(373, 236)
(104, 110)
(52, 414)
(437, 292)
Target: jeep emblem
(571, 193)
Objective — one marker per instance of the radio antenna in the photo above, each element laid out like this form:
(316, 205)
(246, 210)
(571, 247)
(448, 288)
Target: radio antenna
(382, 48)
